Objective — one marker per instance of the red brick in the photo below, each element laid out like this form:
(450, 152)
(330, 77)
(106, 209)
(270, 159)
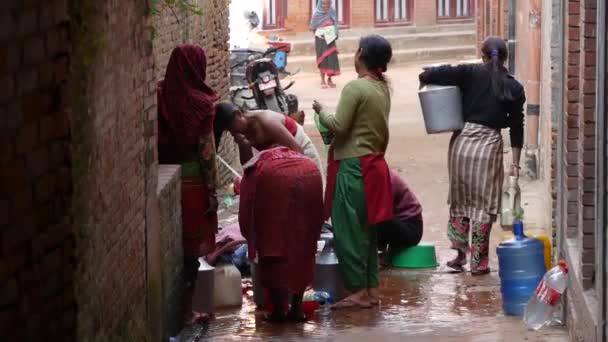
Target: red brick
(571, 157)
(590, 31)
(574, 8)
(574, 33)
(44, 188)
(573, 71)
(12, 178)
(589, 87)
(27, 80)
(37, 162)
(590, 16)
(574, 59)
(590, 73)
(573, 96)
(27, 22)
(35, 105)
(572, 133)
(33, 50)
(589, 171)
(574, 46)
(574, 21)
(589, 157)
(590, 44)
(590, 58)
(589, 130)
(588, 199)
(588, 101)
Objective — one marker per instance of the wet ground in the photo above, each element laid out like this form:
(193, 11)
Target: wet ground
(422, 305)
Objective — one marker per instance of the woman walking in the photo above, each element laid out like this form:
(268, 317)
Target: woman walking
(185, 136)
(492, 100)
(358, 192)
(324, 23)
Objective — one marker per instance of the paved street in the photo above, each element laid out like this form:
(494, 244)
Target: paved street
(430, 305)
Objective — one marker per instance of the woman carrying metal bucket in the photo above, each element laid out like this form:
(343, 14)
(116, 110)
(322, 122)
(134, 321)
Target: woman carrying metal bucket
(492, 100)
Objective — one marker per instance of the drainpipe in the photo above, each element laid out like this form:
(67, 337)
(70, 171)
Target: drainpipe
(511, 41)
(533, 90)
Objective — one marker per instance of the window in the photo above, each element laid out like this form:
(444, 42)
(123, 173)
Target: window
(455, 9)
(342, 8)
(391, 12)
(274, 14)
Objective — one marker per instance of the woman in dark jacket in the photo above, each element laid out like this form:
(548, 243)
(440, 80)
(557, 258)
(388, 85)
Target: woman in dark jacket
(492, 100)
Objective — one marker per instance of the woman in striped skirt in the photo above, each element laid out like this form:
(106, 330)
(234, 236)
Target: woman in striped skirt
(492, 100)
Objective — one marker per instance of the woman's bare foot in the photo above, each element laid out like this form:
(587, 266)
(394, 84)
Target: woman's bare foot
(374, 296)
(324, 85)
(194, 317)
(358, 299)
(330, 83)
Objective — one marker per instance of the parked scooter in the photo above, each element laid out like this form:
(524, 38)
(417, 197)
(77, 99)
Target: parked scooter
(259, 87)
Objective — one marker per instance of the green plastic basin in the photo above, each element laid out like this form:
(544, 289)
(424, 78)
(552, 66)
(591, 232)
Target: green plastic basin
(421, 256)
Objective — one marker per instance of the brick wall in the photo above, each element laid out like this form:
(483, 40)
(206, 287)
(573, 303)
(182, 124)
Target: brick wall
(211, 31)
(36, 240)
(115, 174)
(580, 143)
(169, 196)
(586, 140)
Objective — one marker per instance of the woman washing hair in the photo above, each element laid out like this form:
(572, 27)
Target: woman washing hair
(492, 100)
(358, 192)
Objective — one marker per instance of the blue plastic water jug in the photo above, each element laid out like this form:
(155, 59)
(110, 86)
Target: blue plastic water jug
(521, 267)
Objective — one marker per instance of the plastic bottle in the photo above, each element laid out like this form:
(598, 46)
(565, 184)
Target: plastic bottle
(511, 203)
(547, 296)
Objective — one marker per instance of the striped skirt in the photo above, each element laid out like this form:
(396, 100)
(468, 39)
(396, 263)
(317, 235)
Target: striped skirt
(476, 173)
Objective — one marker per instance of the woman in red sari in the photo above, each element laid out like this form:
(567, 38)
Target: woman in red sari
(185, 137)
(281, 206)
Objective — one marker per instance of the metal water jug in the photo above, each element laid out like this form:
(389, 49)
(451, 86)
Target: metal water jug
(521, 263)
(327, 272)
(441, 108)
(511, 203)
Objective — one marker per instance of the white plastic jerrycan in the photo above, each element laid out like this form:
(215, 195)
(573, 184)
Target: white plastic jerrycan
(511, 203)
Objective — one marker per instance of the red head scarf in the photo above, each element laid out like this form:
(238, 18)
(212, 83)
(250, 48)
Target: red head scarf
(185, 102)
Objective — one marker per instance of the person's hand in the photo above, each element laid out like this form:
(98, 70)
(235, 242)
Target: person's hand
(317, 106)
(240, 139)
(514, 170)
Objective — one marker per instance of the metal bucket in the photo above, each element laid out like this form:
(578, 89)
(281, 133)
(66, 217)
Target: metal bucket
(441, 108)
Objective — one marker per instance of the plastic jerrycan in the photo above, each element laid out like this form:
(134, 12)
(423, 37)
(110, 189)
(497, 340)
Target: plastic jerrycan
(521, 267)
(511, 203)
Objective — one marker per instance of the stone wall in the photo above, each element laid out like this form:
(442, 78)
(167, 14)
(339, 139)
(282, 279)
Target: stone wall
(169, 200)
(36, 239)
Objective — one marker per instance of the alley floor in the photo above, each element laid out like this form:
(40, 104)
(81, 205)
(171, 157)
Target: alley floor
(422, 305)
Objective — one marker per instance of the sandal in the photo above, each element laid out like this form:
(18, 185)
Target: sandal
(456, 265)
(480, 272)
(349, 303)
(324, 86)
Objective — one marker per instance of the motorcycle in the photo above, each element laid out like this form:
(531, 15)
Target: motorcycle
(258, 86)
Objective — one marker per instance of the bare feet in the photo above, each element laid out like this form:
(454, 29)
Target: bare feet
(324, 85)
(357, 300)
(196, 318)
(330, 83)
(374, 296)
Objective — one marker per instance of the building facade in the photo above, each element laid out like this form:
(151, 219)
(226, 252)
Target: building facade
(293, 16)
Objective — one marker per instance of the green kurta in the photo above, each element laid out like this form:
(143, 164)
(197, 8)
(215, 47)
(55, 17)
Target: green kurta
(360, 124)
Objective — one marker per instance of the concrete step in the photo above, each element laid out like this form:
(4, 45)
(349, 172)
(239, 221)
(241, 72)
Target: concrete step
(403, 56)
(398, 41)
(386, 31)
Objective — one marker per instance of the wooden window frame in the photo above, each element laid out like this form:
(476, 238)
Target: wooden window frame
(279, 17)
(391, 14)
(453, 18)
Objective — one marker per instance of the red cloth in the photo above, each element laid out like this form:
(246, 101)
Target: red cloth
(198, 227)
(280, 215)
(185, 102)
(376, 185)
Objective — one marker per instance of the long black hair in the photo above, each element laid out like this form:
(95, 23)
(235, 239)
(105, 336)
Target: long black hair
(224, 115)
(376, 53)
(496, 53)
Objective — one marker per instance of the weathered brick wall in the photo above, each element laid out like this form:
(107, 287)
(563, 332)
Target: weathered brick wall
(113, 111)
(211, 31)
(579, 159)
(169, 200)
(425, 12)
(586, 140)
(36, 241)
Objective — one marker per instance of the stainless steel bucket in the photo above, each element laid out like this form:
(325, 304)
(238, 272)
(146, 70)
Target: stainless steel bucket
(328, 277)
(441, 108)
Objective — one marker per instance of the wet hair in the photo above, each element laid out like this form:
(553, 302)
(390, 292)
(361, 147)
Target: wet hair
(225, 113)
(375, 52)
(496, 53)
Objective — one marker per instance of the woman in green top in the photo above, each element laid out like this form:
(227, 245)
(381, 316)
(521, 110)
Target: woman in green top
(358, 192)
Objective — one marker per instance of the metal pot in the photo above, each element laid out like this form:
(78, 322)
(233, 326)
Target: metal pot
(441, 108)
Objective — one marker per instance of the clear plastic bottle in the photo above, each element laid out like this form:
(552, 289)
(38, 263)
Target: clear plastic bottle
(542, 305)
